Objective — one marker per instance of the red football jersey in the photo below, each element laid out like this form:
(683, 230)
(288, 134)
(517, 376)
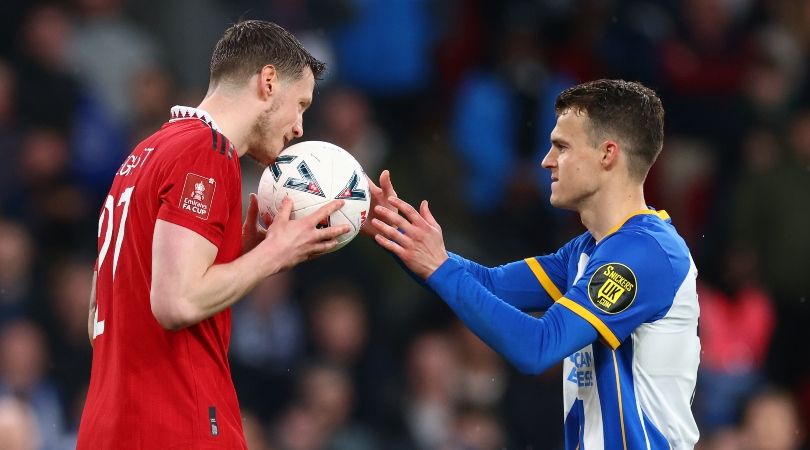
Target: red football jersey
(151, 388)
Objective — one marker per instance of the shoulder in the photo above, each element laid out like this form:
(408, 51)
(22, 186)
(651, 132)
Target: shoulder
(650, 246)
(193, 138)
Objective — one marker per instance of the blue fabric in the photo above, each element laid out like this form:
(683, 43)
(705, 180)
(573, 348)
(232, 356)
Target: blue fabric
(513, 283)
(531, 344)
(652, 256)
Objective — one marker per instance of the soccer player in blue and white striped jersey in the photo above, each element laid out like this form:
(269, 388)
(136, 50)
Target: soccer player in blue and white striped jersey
(620, 304)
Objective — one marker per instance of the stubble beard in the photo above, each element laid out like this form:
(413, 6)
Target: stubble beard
(260, 144)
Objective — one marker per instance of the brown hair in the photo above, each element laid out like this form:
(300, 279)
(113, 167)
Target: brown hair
(629, 110)
(249, 45)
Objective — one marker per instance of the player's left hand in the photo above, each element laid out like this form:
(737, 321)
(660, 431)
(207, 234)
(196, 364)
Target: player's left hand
(414, 237)
(252, 232)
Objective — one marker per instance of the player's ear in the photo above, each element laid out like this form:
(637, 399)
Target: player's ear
(267, 81)
(610, 153)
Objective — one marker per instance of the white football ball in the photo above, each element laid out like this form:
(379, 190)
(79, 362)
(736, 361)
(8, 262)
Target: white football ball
(313, 173)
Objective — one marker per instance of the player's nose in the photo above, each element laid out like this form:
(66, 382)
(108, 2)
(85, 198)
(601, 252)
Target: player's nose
(298, 129)
(548, 161)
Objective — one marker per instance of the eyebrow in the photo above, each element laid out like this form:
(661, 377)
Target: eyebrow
(559, 141)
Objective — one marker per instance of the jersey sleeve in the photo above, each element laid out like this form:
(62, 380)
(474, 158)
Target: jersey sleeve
(551, 272)
(627, 281)
(514, 283)
(531, 344)
(196, 192)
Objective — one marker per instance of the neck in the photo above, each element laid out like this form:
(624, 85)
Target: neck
(229, 111)
(608, 208)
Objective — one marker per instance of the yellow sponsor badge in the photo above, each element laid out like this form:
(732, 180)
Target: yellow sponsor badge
(612, 288)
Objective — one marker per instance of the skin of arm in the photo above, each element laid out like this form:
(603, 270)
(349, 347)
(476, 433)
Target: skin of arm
(187, 287)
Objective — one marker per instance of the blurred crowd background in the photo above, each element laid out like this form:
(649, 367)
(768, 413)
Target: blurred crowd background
(456, 98)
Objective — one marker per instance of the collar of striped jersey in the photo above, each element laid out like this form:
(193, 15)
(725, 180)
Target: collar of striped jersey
(186, 112)
(663, 215)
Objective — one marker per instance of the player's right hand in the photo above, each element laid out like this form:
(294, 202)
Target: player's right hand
(294, 241)
(379, 197)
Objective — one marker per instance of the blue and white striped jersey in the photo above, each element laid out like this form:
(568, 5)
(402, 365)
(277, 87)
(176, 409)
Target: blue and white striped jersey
(632, 388)
(621, 313)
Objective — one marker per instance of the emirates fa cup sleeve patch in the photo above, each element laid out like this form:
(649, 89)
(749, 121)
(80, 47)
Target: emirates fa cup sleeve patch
(198, 195)
(612, 288)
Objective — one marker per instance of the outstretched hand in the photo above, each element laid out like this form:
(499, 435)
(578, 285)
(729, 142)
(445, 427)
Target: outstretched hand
(414, 237)
(379, 197)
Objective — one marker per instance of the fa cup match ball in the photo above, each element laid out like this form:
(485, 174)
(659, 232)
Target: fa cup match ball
(312, 173)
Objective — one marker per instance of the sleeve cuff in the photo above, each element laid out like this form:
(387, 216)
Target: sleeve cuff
(440, 276)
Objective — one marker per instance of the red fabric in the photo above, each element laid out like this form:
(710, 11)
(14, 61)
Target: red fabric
(735, 332)
(151, 388)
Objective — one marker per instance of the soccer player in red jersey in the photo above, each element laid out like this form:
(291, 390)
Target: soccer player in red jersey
(173, 255)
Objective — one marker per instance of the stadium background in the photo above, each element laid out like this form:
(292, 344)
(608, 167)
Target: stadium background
(456, 97)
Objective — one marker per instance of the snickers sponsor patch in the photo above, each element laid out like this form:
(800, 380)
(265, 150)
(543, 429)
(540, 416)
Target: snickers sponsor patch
(612, 288)
(198, 195)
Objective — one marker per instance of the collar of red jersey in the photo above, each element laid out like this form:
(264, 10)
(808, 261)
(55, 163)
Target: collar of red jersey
(186, 112)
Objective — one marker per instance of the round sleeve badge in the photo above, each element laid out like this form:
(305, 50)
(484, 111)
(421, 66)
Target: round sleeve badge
(612, 288)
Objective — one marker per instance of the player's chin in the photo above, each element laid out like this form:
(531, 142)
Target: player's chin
(556, 201)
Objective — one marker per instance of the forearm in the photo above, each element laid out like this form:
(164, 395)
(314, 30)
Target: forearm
(512, 283)
(531, 344)
(222, 285)
(181, 298)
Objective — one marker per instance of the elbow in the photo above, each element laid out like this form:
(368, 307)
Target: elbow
(171, 313)
(530, 366)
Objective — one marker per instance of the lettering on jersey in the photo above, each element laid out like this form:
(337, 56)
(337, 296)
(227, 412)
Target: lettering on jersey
(612, 288)
(198, 195)
(582, 372)
(351, 192)
(134, 161)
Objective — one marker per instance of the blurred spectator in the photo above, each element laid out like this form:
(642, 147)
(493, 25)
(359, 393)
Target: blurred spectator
(108, 52)
(153, 96)
(768, 223)
(298, 429)
(483, 373)
(771, 422)
(47, 93)
(501, 120)
(327, 390)
(477, 429)
(773, 82)
(17, 254)
(47, 199)
(69, 285)
(9, 130)
(430, 399)
(255, 436)
(23, 365)
(703, 68)
(732, 362)
(267, 341)
(347, 123)
(394, 37)
(18, 426)
(339, 329)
